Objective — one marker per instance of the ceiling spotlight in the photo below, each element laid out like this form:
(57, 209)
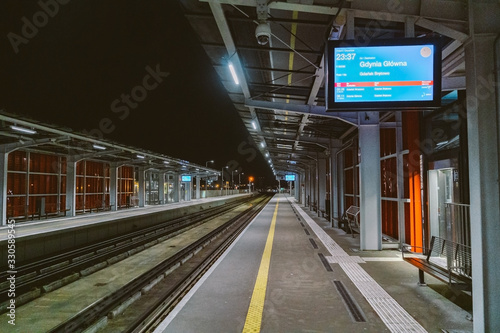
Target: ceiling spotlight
(99, 147)
(140, 156)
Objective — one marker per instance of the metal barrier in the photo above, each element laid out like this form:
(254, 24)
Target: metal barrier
(458, 222)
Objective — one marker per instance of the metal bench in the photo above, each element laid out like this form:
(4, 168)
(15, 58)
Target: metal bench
(447, 261)
(351, 219)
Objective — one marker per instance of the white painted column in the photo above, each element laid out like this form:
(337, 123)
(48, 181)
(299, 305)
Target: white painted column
(71, 187)
(484, 140)
(3, 186)
(369, 176)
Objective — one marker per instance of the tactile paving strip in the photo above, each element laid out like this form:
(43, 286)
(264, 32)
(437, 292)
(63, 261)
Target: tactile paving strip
(392, 314)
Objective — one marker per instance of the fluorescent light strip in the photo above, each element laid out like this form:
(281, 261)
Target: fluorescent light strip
(140, 156)
(22, 129)
(99, 147)
(254, 126)
(233, 73)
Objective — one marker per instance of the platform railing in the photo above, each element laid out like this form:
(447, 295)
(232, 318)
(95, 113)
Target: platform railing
(458, 220)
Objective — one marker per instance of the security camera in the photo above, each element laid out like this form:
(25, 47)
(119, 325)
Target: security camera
(263, 33)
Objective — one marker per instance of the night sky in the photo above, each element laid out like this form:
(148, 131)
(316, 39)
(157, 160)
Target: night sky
(130, 71)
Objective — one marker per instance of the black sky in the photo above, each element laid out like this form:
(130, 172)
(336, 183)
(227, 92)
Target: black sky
(91, 53)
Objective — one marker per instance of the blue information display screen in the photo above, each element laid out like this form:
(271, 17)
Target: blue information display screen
(186, 178)
(289, 177)
(389, 75)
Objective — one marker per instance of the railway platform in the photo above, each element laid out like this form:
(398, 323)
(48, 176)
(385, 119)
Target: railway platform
(290, 272)
(52, 236)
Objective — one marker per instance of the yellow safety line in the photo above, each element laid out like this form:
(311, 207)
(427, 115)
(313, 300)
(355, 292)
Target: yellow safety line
(254, 315)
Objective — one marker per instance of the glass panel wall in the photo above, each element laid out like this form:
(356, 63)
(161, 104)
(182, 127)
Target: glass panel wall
(35, 184)
(92, 185)
(125, 189)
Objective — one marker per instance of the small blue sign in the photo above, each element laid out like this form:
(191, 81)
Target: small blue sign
(186, 178)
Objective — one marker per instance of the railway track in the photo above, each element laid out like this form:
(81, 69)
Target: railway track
(207, 249)
(47, 274)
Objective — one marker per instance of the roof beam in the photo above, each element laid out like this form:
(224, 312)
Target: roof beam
(291, 137)
(349, 117)
(225, 32)
(263, 49)
(368, 14)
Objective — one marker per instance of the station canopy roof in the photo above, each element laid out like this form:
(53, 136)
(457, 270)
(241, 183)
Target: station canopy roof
(280, 95)
(21, 133)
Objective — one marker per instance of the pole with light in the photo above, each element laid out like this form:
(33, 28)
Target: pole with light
(239, 178)
(206, 181)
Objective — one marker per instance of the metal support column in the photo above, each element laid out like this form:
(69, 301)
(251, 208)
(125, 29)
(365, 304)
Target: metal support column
(3, 186)
(321, 185)
(141, 178)
(161, 187)
(71, 187)
(198, 187)
(334, 193)
(369, 177)
(113, 186)
(303, 188)
(177, 188)
(484, 139)
(340, 184)
(400, 178)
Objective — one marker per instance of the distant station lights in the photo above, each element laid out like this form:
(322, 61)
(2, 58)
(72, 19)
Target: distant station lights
(23, 130)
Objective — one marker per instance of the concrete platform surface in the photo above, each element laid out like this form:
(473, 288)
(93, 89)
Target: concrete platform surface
(317, 281)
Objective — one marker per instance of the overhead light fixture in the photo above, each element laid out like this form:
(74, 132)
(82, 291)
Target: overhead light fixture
(233, 73)
(166, 162)
(262, 144)
(267, 154)
(140, 156)
(99, 147)
(23, 130)
(254, 126)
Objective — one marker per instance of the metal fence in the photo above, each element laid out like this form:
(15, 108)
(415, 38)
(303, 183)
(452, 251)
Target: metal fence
(458, 223)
